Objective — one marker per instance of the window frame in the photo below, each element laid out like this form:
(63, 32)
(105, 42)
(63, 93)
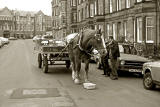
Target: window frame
(138, 30)
(149, 41)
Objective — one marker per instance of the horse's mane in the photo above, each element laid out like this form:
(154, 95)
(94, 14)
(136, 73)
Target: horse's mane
(89, 33)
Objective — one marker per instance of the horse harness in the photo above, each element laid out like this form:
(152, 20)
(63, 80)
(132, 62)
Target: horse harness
(80, 47)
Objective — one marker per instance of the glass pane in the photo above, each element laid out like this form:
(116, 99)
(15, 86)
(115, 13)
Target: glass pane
(149, 21)
(149, 33)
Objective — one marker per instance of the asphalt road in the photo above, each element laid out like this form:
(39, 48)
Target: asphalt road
(19, 71)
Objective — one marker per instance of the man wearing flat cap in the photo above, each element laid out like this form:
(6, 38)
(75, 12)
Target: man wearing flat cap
(113, 55)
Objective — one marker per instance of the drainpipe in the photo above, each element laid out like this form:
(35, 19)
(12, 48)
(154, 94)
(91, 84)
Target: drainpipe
(156, 3)
(104, 19)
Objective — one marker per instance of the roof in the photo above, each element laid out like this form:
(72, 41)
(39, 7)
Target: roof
(24, 13)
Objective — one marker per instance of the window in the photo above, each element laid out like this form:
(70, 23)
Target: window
(119, 5)
(134, 27)
(101, 27)
(79, 1)
(82, 14)
(87, 13)
(125, 30)
(91, 10)
(114, 30)
(108, 30)
(128, 3)
(139, 29)
(100, 8)
(95, 27)
(74, 2)
(110, 6)
(95, 4)
(74, 17)
(149, 30)
(79, 15)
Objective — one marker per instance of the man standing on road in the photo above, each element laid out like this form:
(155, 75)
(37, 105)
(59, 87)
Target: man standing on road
(105, 63)
(113, 56)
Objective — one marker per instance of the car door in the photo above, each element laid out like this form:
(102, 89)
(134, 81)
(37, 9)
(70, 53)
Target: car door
(156, 71)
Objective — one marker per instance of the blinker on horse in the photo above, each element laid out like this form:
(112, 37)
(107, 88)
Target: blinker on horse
(81, 47)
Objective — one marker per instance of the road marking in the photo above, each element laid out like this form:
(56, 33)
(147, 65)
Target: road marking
(34, 92)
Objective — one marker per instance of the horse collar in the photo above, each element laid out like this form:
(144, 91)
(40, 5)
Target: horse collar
(80, 47)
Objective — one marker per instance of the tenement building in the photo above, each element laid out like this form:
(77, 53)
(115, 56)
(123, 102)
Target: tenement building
(23, 24)
(6, 22)
(133, 21)
(71, 16)
(59, 15)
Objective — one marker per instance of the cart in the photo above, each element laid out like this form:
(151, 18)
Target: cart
(49, 53)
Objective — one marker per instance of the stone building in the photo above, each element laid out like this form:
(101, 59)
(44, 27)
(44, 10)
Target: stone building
(6, 22)
(59, 15)
(24, 23)
(71, 16)
(133, 21)
(40, 23)
(48, 23)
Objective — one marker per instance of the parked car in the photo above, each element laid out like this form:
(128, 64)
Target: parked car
(37, 37)
(126, 62)
(47, 39)
(12, 38)
(4, 40)
(1, 43)
(151, 74)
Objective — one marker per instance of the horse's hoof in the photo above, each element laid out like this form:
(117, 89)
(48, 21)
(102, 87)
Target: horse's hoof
(77, 81)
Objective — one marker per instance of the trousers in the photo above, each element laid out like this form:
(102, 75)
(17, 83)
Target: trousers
(113, 63)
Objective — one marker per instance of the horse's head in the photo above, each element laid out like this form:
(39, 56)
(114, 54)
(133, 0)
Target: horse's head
(99, 43)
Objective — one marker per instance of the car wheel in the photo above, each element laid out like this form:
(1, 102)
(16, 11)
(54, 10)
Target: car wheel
(147, 81)
(98, 64)
(45, 64)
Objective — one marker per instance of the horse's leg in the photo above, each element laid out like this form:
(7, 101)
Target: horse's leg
(86, 71)
(78, 67)
(73, 70)
(72, 65)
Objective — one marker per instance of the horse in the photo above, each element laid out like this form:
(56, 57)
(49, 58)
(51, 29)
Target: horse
(80, 49)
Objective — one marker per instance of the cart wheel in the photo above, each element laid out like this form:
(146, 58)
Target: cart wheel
(39, 60)
(45, 64)
(68, 63)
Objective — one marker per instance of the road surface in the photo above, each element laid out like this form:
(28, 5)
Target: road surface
(23, 84)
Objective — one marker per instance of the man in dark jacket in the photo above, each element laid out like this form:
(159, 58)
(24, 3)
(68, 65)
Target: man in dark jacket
(113, 56)
(105, 63)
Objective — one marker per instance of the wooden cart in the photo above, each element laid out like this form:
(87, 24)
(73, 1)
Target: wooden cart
(48, 54)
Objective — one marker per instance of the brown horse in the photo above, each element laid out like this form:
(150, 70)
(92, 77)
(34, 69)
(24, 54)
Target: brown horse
(80, 49)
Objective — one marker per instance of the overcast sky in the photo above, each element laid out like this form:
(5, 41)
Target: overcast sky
(28, 5)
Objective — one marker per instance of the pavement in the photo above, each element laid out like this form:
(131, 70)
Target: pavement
(23, 84)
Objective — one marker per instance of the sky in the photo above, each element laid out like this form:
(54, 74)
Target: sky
(28, 5)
